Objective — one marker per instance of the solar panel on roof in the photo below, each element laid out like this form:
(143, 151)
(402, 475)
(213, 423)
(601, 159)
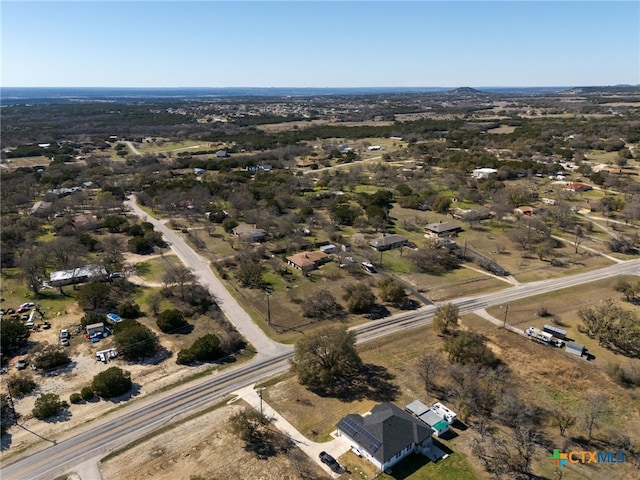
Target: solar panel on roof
(358, 428)
(347, 426)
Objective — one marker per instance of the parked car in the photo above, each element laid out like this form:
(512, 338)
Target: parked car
(115, 275)
(332, 462)
(64, 342)
(21, 364)
(114, 317)
(64, 333)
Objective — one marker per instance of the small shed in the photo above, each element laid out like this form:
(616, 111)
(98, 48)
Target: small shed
(575, 349)
(331, 248)
(95, 330)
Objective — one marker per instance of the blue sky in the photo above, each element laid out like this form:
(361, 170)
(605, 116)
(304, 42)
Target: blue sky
(319, 44)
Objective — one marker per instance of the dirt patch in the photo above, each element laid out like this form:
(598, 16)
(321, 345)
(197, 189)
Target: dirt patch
(204, 447)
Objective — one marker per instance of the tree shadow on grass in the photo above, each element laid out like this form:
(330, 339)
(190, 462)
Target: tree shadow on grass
(133, 392)
(373, 382)
(5, 441)
(63, 416)
(378, 312)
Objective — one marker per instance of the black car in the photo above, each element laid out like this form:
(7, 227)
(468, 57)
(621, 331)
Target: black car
(332, 462)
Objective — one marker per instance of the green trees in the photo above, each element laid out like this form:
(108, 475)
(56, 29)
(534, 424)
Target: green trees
(113, 382)
(392, 292)
(446, 318)
(48, 405)
(469, 347)
(95, 296)
(249, 273)
(6, 414)
(359, 297)
(15, 334)
(50, 356)
(21, 385)
(134, 340)
(171, 321)
(326, 357)
(205, 348)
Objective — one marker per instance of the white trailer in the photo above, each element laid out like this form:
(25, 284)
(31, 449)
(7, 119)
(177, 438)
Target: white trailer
(543, 337)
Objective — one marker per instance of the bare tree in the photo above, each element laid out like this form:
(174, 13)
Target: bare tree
(429, 366)
(595, 410)
(181, 276)
(562, 418)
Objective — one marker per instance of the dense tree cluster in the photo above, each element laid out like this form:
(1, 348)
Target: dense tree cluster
(324, 358)
(134, 340)
(48, 405)
(613, 326)
(112, 382)
(203, 349)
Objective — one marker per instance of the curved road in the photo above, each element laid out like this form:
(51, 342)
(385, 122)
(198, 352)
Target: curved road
(116, 429)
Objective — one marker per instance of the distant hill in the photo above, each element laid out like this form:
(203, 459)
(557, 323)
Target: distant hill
(466, 92)
(604, 90)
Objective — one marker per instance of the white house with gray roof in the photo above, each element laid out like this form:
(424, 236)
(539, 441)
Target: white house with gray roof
(386, 435)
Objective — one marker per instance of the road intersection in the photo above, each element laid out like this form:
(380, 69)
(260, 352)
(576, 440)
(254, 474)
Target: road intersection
(135, 421)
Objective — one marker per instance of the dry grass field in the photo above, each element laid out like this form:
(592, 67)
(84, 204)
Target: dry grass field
(543, 376)
(204, 446)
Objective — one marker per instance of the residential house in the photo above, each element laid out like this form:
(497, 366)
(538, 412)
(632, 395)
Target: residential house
(388, 242)
(249, 233)
(41, 208)
(442, 230)
(480, 173)
(83, 222)
(526, 210)
(87, 273)
(386, 436)
(307, 261)
(578, 187)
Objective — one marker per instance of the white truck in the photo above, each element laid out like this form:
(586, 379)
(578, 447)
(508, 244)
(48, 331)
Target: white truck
(543, 337)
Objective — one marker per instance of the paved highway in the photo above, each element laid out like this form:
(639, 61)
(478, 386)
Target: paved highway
(140, 418)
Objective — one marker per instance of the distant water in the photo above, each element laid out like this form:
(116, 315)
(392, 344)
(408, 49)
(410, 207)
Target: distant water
(15, 95)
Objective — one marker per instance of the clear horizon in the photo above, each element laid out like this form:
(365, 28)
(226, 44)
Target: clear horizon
(306, 44)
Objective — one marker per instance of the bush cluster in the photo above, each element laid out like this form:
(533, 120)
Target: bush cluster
(204, 349)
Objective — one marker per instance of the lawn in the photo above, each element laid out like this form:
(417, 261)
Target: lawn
(154, 269)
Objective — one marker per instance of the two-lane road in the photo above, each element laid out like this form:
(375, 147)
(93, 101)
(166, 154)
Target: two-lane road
(139, 419)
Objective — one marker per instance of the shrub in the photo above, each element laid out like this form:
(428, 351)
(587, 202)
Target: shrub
(50, 357)
(48, 405)
(170, 321)
(134, 340)
(129, 310)
(21, 385)
(75, 398)
(113, 382)
(203, 349)
(87, 393)
(90, 318)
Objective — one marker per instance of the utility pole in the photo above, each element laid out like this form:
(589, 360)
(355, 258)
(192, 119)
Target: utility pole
(260, 395)
(506, 312)
(268, 310)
